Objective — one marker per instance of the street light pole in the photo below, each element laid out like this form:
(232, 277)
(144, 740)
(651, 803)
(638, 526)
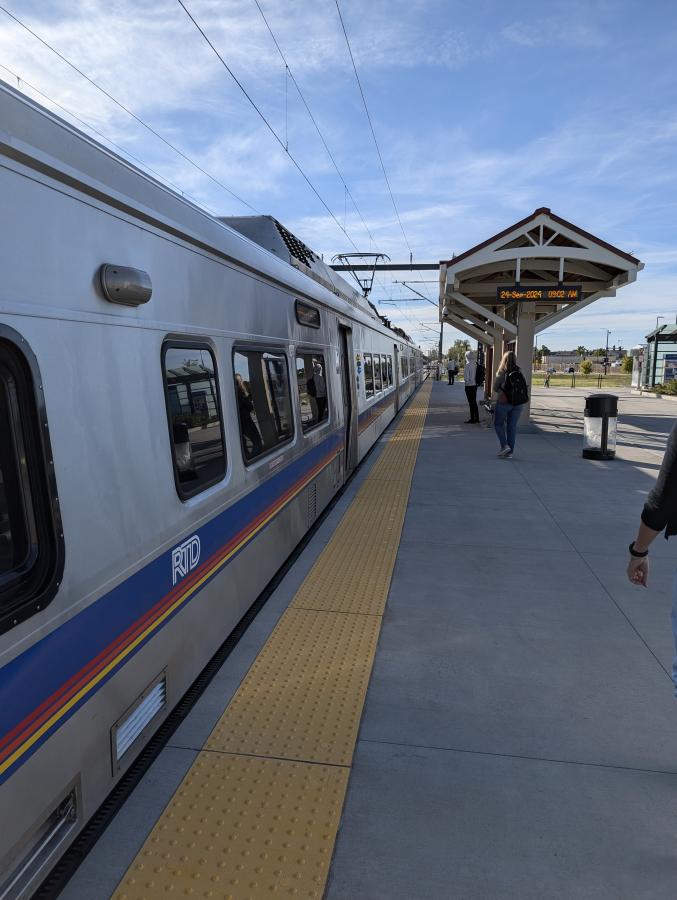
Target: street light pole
(606, 351)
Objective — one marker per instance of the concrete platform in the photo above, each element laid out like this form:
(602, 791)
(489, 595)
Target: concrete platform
(520, 737)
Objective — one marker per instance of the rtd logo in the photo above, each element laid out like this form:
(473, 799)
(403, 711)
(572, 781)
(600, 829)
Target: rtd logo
(185, 558)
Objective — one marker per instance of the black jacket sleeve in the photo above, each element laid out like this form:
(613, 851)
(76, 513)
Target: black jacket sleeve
(661, 504)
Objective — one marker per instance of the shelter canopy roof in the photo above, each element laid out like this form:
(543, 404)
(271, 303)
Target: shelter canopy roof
(541, 251)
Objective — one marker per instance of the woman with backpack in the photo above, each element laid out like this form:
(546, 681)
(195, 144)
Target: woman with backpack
(510, 390)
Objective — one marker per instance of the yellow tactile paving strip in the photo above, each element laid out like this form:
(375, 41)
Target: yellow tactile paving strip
(257, 814)
(241, 827)
(302, 698)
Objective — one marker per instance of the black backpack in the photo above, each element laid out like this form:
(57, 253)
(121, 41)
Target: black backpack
(515, 388)
(480, 374)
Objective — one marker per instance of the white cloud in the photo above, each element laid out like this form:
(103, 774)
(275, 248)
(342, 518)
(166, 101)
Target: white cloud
(563, 31)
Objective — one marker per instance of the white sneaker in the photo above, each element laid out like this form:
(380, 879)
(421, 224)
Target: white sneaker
(506, 451)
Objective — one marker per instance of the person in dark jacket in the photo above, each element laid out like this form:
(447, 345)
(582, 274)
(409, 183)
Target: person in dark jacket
(659, 514)
(470, 379)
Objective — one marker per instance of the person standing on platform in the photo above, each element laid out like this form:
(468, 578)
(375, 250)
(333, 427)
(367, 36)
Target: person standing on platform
(510, 391)
(659, 513)
(452, 369)
(470, 379)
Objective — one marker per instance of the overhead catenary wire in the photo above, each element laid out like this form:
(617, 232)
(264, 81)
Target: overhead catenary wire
(265, 120)
(21, 80)
(314, 121)
(128, 111)
(371, 126)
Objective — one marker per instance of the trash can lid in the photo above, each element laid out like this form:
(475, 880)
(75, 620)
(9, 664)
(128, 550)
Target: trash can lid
(601, 405)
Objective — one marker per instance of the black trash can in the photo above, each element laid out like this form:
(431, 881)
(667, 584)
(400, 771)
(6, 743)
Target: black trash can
(600, 426)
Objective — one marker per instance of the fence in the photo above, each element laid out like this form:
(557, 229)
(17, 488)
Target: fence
(574, 379)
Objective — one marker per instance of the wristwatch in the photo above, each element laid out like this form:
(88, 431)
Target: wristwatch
(637, 553)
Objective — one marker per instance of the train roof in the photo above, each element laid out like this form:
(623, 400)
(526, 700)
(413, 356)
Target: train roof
(32, 136)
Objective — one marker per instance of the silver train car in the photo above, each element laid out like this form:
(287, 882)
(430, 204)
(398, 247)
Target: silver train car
(180, 397)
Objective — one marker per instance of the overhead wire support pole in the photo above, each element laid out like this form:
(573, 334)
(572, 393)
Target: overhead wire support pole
(263, 119)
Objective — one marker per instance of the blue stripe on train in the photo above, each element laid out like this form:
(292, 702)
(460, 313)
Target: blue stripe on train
(36, 674)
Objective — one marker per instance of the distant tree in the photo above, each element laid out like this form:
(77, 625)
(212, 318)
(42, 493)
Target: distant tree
(626, 364)
(458, 350)
(586, 367)
(600, 351)
(580, 350)
(545, 351)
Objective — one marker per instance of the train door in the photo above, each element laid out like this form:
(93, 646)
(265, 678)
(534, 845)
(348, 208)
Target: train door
(397, 376)
(349, 400)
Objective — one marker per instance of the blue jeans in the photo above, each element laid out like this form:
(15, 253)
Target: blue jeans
(505, 423)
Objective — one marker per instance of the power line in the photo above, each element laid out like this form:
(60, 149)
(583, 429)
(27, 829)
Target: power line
(128, 111)
(313, 120)
(21, 80)
(373, 133)
(265, 120)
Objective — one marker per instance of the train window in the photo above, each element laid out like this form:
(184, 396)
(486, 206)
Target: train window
(312, 384)
(390, 369)
(368, 375)
(377, 373)
(384, 371)
(307, 315)
(263, 401)
(31, 554)
(194, 416)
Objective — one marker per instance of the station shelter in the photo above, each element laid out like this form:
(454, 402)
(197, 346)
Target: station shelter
(525, 279)
(657, 360)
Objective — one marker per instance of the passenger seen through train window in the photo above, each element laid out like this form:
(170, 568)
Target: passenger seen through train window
(194, 417)
(312, 386)
(368, 375)
(263, 401)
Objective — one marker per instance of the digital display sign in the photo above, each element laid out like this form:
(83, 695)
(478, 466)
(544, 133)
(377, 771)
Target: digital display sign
(562, 294)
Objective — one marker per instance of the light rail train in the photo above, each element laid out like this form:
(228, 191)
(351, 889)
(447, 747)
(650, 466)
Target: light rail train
(180, 397)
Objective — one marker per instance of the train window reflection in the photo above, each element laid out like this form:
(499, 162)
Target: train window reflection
(16, 515)
(195, 422)
(390, 370)
(377, 373)
(384, 371)
(368, 375)
(30, 552)
(311, 379)
(263, 401)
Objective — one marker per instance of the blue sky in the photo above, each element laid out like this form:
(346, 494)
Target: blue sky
(483, 111)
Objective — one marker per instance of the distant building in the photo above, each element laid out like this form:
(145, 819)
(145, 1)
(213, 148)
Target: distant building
(564, 359)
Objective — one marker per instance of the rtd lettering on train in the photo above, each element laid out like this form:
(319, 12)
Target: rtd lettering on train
(185, 558)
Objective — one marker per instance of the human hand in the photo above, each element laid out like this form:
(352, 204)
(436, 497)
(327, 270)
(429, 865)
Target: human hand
(638, 570)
